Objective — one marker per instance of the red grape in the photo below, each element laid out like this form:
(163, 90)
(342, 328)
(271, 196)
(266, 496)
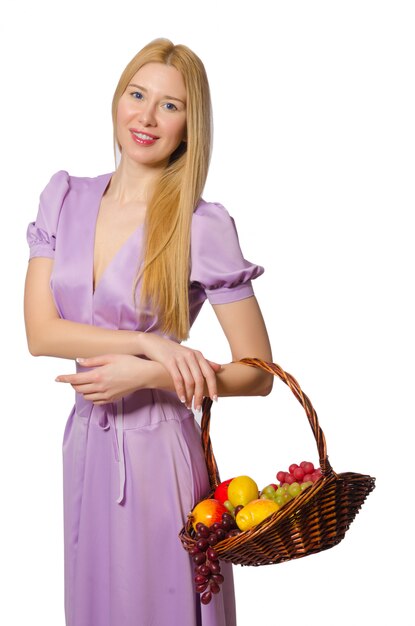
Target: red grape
(218, 578)
(211, 554)
(199, 579)
(200, 527)
(213, 539)
(298, 473)
(203, 569)
(289, 478)
(214, 587)
(308, 468)
(202, 587)
(227, 525)
(202, 545)
(199, 558)
(292, 468)
(206, 597)
(214, 567)
(281, 476)
(307, 478)
(220, 534)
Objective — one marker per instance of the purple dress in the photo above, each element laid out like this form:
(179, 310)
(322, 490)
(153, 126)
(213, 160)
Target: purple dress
(133, 469)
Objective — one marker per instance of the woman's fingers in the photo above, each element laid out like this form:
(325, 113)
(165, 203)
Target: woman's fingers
(215, 366)
(177, 381)
(75, 379)
(188, 381)
(198, 381)
(188, 368)
(210, 377)
(94, 361)
(194, 371)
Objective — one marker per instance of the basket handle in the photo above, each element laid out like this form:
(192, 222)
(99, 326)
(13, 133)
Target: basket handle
(289, 380)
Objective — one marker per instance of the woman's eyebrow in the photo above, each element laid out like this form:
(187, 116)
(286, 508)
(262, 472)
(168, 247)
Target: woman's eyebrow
(166, 97)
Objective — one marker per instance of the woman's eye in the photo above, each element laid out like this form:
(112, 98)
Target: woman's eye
(170, 106)
(137, 94)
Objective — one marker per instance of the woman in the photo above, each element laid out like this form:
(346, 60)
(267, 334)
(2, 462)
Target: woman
(120, 267)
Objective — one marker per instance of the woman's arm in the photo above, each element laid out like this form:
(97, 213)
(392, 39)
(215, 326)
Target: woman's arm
(116, 375)
(244, 327)
(49, 335)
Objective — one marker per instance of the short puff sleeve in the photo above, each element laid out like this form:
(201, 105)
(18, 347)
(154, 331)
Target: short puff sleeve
(41, 234)
(217, 262)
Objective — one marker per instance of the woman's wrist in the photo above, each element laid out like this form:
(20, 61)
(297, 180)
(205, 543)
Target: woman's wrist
(138, 347)
(158, 377)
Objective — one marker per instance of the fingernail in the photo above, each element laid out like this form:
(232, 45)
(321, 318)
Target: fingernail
(215, 398)
(57, 379)
(183, 399)
(199, 407)
(80, 360)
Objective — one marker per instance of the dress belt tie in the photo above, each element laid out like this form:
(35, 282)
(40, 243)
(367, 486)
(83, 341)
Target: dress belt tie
(116, 421)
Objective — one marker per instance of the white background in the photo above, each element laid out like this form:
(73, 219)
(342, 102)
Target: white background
(314, 158)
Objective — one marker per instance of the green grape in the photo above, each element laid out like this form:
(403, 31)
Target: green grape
(269, 489)
(228, 504)
(280, 500)
(306, 485)
(294, 490)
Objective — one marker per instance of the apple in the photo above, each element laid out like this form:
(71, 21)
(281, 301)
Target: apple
(207, 512)
(221, 491)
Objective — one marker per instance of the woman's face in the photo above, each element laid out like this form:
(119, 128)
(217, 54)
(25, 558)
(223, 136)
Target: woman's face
(151, 115)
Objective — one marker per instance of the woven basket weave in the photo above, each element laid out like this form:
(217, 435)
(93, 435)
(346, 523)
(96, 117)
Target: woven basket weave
(315, 520)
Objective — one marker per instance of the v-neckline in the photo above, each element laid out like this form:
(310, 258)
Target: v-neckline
(95, 285)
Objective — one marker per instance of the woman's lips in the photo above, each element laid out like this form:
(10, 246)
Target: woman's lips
(143, 139)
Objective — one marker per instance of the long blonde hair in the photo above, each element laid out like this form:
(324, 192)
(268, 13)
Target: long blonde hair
(165, 270)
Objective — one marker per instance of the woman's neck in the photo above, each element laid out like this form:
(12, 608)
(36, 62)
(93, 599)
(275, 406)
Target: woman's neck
(132, 182)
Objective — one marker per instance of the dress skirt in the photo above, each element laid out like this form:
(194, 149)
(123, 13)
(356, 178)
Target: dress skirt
(131, 476)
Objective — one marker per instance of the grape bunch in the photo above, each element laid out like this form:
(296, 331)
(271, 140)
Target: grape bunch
(292, 483)
(302, 473)
(207, 567)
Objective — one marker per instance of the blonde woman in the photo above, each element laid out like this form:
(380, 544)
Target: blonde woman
(120, 267)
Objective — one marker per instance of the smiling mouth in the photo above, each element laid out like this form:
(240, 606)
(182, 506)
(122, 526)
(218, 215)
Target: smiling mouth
(143, 137)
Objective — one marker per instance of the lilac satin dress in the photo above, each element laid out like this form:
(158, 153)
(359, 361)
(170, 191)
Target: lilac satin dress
(135, 468)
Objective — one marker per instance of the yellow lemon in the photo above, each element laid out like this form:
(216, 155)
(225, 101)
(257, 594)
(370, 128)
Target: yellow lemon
(242, 490)
(255, 512)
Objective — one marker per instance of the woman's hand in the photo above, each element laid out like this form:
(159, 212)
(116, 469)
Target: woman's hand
(188, 368)
(112, 377)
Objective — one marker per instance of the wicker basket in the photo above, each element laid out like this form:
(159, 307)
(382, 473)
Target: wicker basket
(315, 520)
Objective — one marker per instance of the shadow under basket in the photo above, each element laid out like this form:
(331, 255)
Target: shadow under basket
(315, 520)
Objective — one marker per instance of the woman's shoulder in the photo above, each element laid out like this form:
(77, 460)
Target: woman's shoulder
(212, 216)
(79, 181)
(61, 183)
(209, 208)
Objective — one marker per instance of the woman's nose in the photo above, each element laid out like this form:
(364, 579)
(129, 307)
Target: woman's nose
(147, 115)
